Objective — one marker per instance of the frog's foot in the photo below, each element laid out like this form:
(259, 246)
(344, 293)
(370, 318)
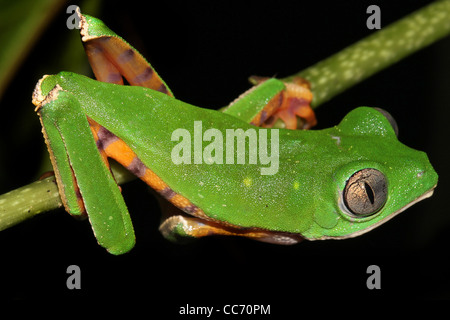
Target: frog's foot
(294, 102)
(179, 227)
(112, 59)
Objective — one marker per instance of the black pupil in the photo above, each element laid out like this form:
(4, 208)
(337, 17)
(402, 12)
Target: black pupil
(365, 192)
(369, 192)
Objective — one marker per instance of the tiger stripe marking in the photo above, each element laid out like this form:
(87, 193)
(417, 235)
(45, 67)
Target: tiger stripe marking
(154, 181)
(137, 167)
(125, 56)
(272, 106)
(80, 203)
(105, 138)
(114, 77)
(167, 193)
(104, 70)
(112, 146)
(100, 142)
(112, 58)
(119, 150)
(198, 228)
(263, 116)
(294, 101)
(144, 77)
(163, 89)
(191, 209)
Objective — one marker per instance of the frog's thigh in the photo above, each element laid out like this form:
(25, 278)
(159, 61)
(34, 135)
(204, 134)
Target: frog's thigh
(176, 227)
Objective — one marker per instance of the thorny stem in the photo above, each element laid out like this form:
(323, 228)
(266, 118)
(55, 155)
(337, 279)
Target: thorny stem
(328, 78)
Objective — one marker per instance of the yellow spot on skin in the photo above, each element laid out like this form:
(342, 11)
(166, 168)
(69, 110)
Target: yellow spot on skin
(296, 185)
(247, 182)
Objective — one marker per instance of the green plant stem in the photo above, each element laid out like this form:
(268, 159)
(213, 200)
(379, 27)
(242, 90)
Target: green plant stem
(328, 78)
(376, 52)
(28, 201)
(40, 196)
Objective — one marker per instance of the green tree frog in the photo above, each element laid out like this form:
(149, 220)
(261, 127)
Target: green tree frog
(290, 185)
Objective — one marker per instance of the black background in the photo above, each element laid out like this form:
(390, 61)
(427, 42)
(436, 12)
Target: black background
(205, 50)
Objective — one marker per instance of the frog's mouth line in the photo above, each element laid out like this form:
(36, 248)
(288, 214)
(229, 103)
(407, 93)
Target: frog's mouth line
(427, 194)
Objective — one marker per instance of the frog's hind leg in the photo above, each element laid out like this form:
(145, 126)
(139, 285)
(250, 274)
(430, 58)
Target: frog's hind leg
(178, 227)
(111, 146)
(113, 59)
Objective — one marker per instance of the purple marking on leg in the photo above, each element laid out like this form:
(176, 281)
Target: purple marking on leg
(167, 193)
(114, 77)
(162, 88)
(280, 99)
(94, 49)
(105, 138)
(103, 39)
(190, 209)
(144, 76)
(137, 167)
(297, 102)
(263, 117)
(78, 193)
(125, 56)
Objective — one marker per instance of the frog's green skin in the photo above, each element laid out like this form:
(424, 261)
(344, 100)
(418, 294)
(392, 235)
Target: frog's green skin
(305, 195)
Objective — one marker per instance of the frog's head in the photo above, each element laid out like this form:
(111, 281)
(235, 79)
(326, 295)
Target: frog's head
(374, 177)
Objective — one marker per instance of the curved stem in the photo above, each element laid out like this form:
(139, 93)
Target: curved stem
(376, 52)
(40, 196)
(25, 202)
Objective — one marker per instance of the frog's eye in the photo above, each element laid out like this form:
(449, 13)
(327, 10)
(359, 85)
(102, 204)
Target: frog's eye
(390, 118)
(365, 192)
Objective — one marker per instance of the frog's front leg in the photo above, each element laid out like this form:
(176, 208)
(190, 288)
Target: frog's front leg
(287, 101)
(296, 102)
